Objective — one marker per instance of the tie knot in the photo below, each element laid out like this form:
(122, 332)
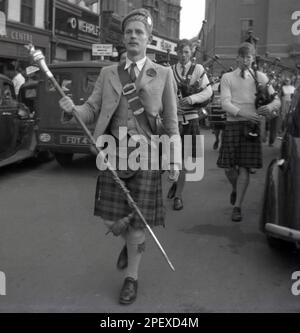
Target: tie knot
(243, 73)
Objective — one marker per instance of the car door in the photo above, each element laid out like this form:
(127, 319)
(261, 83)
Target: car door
(8, 119)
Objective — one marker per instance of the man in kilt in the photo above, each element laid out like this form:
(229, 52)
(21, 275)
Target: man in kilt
(193, 91)
(132, 95)
(241, 148)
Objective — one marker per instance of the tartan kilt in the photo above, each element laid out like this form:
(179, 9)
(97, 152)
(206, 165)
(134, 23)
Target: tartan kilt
(146, 190)
(237, 150)
(193, 129)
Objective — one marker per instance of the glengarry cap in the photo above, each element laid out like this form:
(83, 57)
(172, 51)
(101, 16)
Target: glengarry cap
(142, 15)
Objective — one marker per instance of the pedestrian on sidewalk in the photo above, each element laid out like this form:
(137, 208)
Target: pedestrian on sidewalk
(286, 93)
(241, 148)
(132, 95)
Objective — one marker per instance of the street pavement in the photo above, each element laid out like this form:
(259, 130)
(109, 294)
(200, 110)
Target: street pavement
(57, 258)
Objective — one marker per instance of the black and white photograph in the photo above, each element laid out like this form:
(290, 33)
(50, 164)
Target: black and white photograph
(149, 159)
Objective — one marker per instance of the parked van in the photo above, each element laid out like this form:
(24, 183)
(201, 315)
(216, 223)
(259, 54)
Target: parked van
(17, 127)
(77, 79)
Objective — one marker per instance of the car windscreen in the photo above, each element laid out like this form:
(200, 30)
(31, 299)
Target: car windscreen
(89, 81)
(63, 79)
(7, 95)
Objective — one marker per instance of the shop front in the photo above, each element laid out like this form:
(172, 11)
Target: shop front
(12, 50)
(75, 32)
(162, 50)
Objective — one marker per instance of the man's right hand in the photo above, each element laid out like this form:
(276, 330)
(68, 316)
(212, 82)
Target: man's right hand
(66, 104)
(249, 115)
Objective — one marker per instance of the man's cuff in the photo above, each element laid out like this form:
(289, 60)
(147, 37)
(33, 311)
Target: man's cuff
(66, 117)
(236, 112)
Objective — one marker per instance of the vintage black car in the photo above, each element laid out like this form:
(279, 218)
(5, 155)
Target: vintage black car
(280, 217)
(17, 126)
(77, 79)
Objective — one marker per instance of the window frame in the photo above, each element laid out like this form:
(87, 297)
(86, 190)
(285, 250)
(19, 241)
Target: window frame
(5, 7)
(33, 12)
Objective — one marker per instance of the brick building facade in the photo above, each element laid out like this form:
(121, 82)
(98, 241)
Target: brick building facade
(275, 23)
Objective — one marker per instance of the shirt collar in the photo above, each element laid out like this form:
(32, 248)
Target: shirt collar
(247, 74)
(187, 65)
(140, 63)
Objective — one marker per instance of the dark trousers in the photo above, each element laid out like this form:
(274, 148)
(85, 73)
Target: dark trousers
(272, 125)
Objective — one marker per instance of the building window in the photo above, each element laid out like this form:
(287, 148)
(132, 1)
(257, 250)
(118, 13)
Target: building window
(3, 6)
(246, 26)
(27, 10)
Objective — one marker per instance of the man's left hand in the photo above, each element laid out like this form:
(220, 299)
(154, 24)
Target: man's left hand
(186, 101)
(265, 110)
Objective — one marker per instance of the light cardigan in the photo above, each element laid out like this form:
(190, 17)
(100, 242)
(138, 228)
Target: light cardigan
(239, 93)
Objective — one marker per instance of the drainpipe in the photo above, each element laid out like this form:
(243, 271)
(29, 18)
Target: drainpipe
(53, 30)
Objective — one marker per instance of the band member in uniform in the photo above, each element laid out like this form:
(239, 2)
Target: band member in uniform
(241, 144)
(193, 91)
(131, 95)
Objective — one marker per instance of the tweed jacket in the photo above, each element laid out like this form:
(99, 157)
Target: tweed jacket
(157, 91)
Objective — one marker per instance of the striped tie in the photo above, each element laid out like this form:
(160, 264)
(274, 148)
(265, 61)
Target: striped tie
(183, 71)
(132, 72)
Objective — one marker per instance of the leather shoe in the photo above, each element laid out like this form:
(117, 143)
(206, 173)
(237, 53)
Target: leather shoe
(129, 291)
(123, 259)
(236, 214)
(178, 204)
(172, 191)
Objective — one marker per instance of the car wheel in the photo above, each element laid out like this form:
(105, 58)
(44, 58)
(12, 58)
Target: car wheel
(64, 159)
(44, 156)
(279, 244)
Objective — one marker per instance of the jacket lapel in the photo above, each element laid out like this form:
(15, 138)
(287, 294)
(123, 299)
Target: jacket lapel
(148, 73)
(115, 81)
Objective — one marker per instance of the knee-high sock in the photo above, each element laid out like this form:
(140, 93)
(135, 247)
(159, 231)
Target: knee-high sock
(180, 184)
(135, 238)
(242, 185)
(232, 175)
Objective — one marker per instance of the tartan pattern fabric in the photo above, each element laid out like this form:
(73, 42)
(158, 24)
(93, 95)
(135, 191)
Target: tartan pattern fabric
(145, 188)
(193, 129)
(237, 150)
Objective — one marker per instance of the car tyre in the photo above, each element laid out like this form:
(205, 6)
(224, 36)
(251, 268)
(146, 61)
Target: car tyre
(44, 156)
(64, 159)
(279, 244)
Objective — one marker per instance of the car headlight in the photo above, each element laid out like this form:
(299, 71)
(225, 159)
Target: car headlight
(45, 137)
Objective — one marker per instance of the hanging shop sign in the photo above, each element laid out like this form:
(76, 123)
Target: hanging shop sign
(102, 50)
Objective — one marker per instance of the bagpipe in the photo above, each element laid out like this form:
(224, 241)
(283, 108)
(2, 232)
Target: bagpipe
(275, 69)
(263, 96)
(186, 89)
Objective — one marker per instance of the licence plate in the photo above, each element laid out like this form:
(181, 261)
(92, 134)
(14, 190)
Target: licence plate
(74, 140)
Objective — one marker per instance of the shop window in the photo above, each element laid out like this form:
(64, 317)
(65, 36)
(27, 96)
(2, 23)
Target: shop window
(246, 26)
(27, 11)
(3, 6)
